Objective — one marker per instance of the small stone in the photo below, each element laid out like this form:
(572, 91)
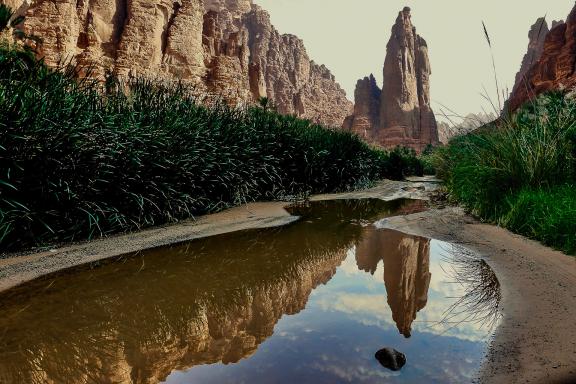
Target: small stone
(391, 359)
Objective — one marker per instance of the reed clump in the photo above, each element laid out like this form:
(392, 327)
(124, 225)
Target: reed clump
(520, 173)
(81, 159)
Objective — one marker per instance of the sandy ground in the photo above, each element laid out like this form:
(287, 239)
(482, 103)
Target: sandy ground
(17, 269)
(535, 342)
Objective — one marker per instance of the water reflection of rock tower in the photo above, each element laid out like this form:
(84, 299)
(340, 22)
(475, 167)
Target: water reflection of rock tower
(406, 271)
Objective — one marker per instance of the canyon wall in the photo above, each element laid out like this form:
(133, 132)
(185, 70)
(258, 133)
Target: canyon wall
(536, 37)
(469, 123)
(400, 113)
(227, 48)
(553, 66)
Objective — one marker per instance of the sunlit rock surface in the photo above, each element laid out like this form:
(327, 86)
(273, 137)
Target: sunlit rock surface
(553, 69)
(226, 48)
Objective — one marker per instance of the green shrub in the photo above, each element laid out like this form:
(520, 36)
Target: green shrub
(548, 215)
(79, 159)
(404, 162)
(532, 152)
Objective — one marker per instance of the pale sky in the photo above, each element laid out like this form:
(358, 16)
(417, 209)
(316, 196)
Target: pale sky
(350, 38)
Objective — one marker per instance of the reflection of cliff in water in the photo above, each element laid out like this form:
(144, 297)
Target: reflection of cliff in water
(406, 271)
(212, 300)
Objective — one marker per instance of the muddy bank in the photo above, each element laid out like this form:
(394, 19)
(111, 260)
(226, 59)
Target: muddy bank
(17, 269)
(536, 340)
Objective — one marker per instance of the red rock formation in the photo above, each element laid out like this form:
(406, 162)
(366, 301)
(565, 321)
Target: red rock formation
(536, 36)
(225, 47)
(405, 115)
(366, 109)
(556, 67)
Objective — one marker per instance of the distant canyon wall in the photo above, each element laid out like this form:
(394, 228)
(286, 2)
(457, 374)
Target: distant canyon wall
(550, 62)
(400, 112)
(227, 48)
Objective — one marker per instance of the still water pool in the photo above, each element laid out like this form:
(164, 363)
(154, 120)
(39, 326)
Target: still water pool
(310, 302)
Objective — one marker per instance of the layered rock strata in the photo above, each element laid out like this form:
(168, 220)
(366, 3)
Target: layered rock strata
(404, 116)
(555, 67)
(227, 48)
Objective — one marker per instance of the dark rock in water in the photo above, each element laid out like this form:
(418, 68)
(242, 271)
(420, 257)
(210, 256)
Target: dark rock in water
(391, 359)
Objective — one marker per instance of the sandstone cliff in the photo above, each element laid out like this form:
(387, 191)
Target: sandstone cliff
(366, 115)
(405, 116)
(469, 123)
(555, 67)
(536, 37)
(227, 48)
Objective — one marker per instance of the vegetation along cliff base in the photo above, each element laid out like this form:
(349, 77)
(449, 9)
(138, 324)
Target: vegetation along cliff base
(81, 159)
(520, 173)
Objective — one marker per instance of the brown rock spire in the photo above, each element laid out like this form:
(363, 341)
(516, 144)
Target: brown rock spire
(405, 116)
(366, 110)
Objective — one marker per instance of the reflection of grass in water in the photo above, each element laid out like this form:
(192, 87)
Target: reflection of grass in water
(480, 301)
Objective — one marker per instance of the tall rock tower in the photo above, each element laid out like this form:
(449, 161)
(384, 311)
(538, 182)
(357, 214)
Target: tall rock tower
(405, 116)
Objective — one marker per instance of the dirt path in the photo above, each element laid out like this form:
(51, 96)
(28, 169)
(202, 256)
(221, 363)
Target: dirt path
(536, 341)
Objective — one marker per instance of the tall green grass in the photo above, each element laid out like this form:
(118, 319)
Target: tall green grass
(520, 172)
(80, 159)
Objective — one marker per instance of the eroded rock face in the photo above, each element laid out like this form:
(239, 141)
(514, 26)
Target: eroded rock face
(227, 48)
(469, 123)
(282, 71)
(366, 114)
(405, 116)
(555, 69)
(536, 36)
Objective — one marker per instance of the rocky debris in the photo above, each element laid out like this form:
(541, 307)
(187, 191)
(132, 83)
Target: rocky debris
(391, 359)
(555, 67)
(227, 48)
(405, 116)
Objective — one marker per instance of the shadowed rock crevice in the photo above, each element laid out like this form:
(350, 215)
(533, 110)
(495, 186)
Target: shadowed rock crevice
(169, 24)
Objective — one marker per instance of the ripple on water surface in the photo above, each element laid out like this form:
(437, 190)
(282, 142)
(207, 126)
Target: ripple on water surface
(310, 303)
